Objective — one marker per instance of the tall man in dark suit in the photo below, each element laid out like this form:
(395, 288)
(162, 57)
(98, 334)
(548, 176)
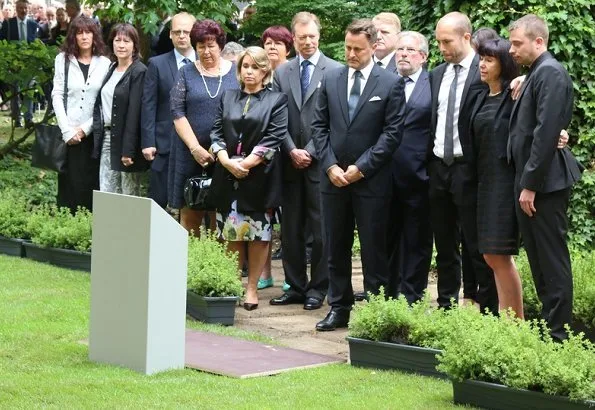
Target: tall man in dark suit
(357, 126)
(409, 229)
(157, 127)
(20, 28)
(388, 26)
(544, 174)
(453, 177)
(300, 79)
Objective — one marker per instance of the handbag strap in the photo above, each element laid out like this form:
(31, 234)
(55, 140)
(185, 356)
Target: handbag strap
(65, 95)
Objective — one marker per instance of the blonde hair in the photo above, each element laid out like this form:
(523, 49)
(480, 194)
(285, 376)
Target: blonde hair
(260, 58)
(304, 17)
(388, 18)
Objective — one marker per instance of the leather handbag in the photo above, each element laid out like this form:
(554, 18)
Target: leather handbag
(196, 192)
(49, 150)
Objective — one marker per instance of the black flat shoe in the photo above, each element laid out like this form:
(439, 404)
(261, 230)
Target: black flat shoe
(359, 296)
(250, 306)
(334, 320)
(287, 298)
(312, 304)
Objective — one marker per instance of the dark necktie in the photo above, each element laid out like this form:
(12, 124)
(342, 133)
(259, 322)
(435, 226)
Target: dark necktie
(185, 61)
(354, 93)
(379, 63)
(305, 78)
(450, 112)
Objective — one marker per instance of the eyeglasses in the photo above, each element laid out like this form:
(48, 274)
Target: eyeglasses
(408, 49)
(178, 33)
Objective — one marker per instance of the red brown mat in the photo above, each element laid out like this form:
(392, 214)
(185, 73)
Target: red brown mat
(232, 357)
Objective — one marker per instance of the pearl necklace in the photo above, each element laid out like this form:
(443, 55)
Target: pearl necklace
(494, 94)
(200, 70)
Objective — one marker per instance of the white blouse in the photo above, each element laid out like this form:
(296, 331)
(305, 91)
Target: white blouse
(81, 94)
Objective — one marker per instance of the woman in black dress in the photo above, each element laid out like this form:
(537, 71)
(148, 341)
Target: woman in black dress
(250, 126)
(497, 228)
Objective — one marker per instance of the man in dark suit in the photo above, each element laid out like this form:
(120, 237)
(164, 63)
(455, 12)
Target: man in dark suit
(409, 230)
(20, 28)
(300, 80)
(357, 126)
(453, 177)
(157, 127)
(544, 174)
(388, 26)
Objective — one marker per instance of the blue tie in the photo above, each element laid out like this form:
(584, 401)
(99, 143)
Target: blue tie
(354, 93)
(305, 78)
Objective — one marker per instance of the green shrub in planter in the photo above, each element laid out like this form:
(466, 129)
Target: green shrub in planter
(520, 354)
(14, 214)
(212, 270)
(54, 227)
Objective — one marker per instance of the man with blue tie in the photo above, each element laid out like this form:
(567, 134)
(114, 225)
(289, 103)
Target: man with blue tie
(357, 126)
(157, 127)
(20, 28)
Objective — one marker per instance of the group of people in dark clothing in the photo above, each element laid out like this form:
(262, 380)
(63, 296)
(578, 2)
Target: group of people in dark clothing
(405, 155)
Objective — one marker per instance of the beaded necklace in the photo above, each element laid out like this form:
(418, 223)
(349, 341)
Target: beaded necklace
(200, 70)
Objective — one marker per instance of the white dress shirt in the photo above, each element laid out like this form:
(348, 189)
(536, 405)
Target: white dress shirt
(363, 80)
(81, 94)
(180, 58)
(447, 78)
(385, 61)
(313, 60)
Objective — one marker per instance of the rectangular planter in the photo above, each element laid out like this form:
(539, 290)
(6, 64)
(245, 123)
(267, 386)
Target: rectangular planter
(64, 258)
(11, 246)
(499, 397)
(207, 309)
(383, 355)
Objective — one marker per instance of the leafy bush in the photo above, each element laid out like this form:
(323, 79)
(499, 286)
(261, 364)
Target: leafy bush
(212, 270)
(13, 215)
(36, 186)
(55, 227)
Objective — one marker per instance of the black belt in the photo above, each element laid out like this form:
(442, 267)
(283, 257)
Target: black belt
(455, 160)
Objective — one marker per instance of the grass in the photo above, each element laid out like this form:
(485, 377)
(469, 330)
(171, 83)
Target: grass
(44, 364)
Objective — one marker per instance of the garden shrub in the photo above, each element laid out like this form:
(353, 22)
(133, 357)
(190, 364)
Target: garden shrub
(54, 227)
(35, 185)
(13, 215)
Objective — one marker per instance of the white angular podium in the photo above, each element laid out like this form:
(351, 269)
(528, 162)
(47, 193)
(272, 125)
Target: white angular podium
(138, 285)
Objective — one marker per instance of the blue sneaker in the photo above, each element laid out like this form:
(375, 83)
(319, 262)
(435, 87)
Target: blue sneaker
(285, 287)
(264, 283)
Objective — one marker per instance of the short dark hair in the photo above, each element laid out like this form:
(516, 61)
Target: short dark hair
(205, 30)
(499, 48)
(128, 30)
(534, 27)
(278, 33)
(363, 26)
(83, 23)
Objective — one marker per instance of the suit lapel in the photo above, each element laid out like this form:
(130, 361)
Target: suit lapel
(437, 75)
(392, 66)
(342, 91)
(420, 86)
(173, 65)
(316, 77)
(294, 81)
(470, 78)
(367, 92)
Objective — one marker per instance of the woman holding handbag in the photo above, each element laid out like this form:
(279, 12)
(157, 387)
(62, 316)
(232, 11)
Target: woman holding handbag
(83, 74)
(116, 118)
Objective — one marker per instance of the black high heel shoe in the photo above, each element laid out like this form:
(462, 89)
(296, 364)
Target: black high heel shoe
(250, 306)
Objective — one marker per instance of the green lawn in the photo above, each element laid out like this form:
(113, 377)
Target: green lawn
(44, 318)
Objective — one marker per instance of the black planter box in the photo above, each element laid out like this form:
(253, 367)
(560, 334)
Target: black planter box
(64, 258)
(383, 355)
(208, 309)
(11, 246)
(499, 397)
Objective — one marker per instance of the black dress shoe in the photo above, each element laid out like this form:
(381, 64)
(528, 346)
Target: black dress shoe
(250, 306)
(359, 296)
(312, 303)
(334, 320)
(287, 299)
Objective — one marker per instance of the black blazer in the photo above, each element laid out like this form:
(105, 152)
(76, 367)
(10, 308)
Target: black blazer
(287, 80)
(501, 121)
(543, 109)
(370, 139)
(410, 158)
(125, 128)
(473, 87)
(265, 125)
(10, 31)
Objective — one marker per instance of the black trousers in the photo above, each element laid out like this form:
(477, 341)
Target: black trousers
(76, 185)
(158, 179)
(409, 243)
(301, 209)
(544, 238)
(341, 212)
(453, 204)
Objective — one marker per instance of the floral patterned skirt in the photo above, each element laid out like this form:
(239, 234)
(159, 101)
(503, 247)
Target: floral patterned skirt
(252, 226)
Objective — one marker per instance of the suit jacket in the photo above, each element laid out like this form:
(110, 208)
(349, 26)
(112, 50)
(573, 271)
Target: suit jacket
(543, 109)
(10, 30)
(410, 158)
(369, 139)
(125, 121)
(391, 67)
(157, 126)
(473, 87)
(300, 113)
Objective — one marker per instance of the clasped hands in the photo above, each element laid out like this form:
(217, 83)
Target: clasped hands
(202, 156)
(340, 178)
(79, 134)
(300, 158)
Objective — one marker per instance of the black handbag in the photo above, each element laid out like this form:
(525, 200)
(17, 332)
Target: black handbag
(196, 192)
(49, 149)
